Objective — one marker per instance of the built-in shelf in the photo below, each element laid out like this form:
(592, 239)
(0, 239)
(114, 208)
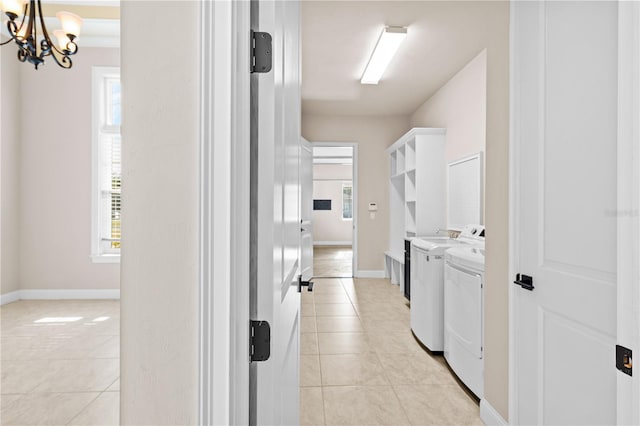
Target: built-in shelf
(416, 192)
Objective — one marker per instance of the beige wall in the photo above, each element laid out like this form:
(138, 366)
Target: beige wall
(479, 93)
(55, 176)
(373, 135)
(496, 291)
(460, 106)
(159, 291)
(9, 169)
(327, 185)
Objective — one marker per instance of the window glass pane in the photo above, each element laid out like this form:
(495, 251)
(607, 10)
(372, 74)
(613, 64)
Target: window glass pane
(347, 201)
(115, 218)
(115, 116)
(116, 179)
(108, 163)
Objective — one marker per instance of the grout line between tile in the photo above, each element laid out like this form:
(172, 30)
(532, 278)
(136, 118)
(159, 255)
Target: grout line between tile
(83, 408)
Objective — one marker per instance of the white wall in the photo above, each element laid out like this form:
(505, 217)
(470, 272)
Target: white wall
(55, 176)
(373, 135)
(160, 190)
(328, 225)
(9, 169)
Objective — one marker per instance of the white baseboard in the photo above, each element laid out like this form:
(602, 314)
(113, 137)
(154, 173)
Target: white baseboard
(79, 294)
(332, 243)
(489, 415)
(370, 274)
(9, 297)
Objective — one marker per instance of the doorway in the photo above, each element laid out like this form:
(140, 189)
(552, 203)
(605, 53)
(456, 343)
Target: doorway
(334, 209)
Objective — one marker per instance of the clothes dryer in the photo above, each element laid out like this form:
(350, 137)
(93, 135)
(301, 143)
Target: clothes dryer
(464, 315)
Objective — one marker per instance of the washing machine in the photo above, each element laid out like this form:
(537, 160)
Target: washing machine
(427, 283)
(464, 315)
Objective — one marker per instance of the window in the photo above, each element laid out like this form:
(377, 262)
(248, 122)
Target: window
(107, 169)
(347, 201)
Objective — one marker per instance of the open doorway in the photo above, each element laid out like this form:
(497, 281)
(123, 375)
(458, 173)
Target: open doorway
(60, 203)
(334, 209)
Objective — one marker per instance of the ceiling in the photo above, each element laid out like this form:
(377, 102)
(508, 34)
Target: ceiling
(338, 38)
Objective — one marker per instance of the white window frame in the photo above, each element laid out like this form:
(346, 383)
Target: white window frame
(349, 184)
(100, 76)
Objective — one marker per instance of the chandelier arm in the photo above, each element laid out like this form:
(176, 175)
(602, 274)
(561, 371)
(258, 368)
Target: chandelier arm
(50, 44)
(13, 32)
(65, 62)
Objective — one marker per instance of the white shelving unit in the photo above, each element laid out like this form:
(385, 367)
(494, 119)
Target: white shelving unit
(417, 192)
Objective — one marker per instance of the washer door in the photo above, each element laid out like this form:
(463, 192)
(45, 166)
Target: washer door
(463, 308)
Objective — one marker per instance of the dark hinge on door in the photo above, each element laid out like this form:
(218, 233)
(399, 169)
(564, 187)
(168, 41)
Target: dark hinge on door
(261, 52)
(260, 344)
(624, 360)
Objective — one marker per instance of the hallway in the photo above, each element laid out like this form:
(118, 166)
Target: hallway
(361, 365)
(332, 261)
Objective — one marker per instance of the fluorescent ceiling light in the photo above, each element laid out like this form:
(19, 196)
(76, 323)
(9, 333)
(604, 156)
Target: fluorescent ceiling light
(385, 49)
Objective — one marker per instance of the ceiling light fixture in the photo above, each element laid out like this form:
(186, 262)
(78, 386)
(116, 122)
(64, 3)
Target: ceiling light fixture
(385, 49)
(25, 33)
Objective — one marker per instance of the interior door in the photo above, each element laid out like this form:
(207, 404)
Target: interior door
(564, 122)
(275, 213)
(306, 210)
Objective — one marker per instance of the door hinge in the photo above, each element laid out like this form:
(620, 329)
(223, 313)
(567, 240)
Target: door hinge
(261, 52)
(260, 344)
(624, 360)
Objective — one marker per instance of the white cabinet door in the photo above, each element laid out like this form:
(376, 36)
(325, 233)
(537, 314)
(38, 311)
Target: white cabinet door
(276, 214)
(564, 123)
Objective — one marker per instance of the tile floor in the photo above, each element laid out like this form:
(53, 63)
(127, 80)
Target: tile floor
(360, 364)
(332, 262)
(60, 363)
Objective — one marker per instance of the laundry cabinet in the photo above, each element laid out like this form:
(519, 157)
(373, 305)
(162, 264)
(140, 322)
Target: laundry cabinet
(417, 191)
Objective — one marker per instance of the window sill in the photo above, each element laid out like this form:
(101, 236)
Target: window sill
(105, 258)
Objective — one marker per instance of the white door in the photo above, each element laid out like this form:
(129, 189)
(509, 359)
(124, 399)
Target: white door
(276, 215)
(564, 82)
(306, 210)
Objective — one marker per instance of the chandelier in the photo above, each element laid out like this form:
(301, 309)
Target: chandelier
(24, 31)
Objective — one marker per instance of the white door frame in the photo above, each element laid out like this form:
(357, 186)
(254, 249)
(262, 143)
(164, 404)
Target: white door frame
(628, 270)
(223, 367)
(354, 178)
(628, 212)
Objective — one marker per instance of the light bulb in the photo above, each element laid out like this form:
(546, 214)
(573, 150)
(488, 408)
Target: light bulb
(71, 23)
(62, 39)
(15, 7)
(22, 31)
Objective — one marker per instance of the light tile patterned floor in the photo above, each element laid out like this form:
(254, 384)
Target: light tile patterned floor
(360, 364)
(332, 261)
(60, 363)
